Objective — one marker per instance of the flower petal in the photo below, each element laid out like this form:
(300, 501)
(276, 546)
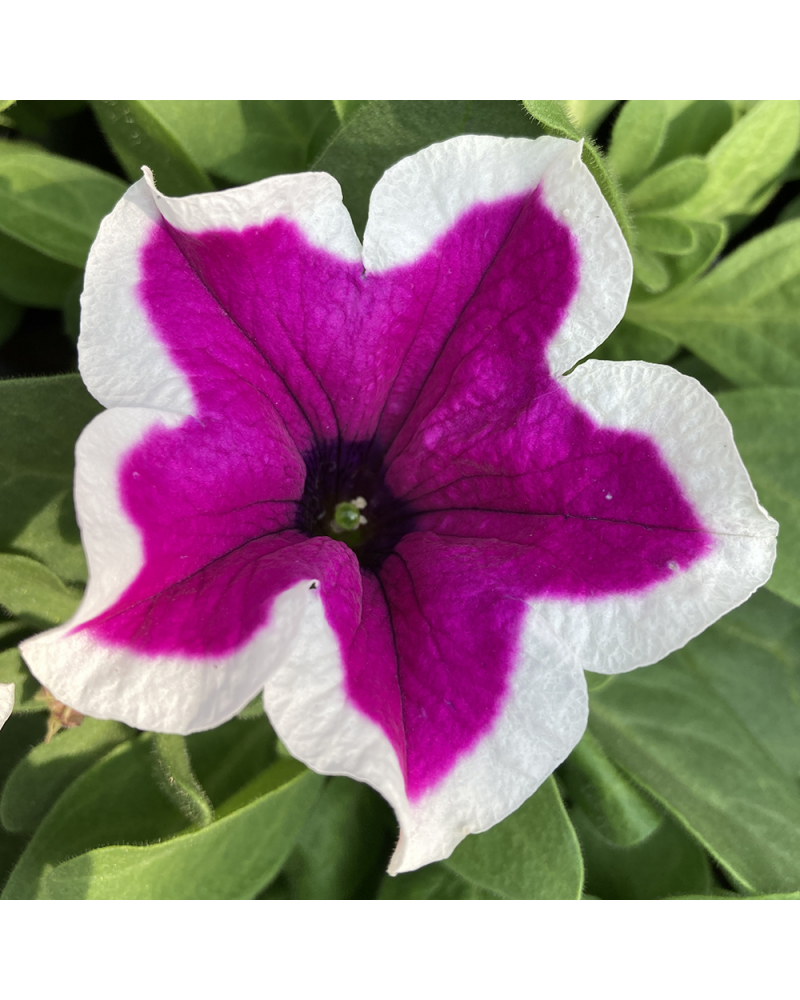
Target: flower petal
(422, 197)
(6, 702)
(124, 360)
(695, 439)
(542, 716)
(178, 627)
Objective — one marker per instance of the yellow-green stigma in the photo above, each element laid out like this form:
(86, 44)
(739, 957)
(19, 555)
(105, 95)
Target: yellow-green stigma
(347, 516)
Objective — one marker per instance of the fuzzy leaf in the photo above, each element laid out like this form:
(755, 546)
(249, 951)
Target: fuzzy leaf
(765, 423)
(40, 419)
(139, 137)
(668, 728)
(670, 186)
(662, 234)
(435, 881)
(32, 279)
(34, 593)
(344, 846)
(618, 810)
(743, 318)
(233, 858)
(531, 854)
(637, 137)
(115, 801)
(174, 774)
(746, 159)
(49, 768)
(52, 204)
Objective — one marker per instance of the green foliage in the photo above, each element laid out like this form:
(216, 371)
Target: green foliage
(743, 317)
(435, 881)
(765, 423)
(637, 138)
(745, 160)
(666, 863)
(49, 768)
(52, 204)
(620, 813)
(40, 420)
(139, 138)
(173, 770)
(344, 846)
(186, 143)
(379, 133)
(233, 858)
(532, 854)
(676, 737)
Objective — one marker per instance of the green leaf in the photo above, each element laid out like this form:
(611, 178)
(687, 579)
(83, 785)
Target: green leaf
(695, 127)
(115, 801)
(13, 671)
(380, 133)
(435, 881)
(243, 141)
(588, 115)
(746, 159)
(743, 318)
(346, 109)
(233, 858)
(139, 137)
(40, 419)
(752, 659)
(229, 757)
(709, 240)
(33, 592)
(775, 895)
(52, 204)
(667, 727)
(618, 810)
(629, 342)
(345, 844)
(765, 423)
(10, 315)
(662, 234)
(49, 768)
(174, 774)
(670, 186)
(531, 854)
(16, 737)
(32, 279)
(554, 116)
(790, 211)
(650, 270)
(637, 137)
(667, 863)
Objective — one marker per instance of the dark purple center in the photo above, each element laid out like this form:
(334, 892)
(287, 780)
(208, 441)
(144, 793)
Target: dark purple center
(341, 472)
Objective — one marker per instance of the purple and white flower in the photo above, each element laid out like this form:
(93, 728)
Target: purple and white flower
(359, 480)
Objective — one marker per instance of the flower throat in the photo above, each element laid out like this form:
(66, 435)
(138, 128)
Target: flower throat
(346, 498)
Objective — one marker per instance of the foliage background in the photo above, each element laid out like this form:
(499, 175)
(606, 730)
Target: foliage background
(687, 783)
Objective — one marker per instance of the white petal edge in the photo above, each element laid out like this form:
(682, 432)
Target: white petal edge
(542, 718)
(695, 439)
(163, 693)
(6, 702)
(121, 358)
(421, 197)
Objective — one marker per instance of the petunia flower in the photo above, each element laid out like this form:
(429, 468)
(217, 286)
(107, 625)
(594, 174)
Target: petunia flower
(359, 479)
(6, 702)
